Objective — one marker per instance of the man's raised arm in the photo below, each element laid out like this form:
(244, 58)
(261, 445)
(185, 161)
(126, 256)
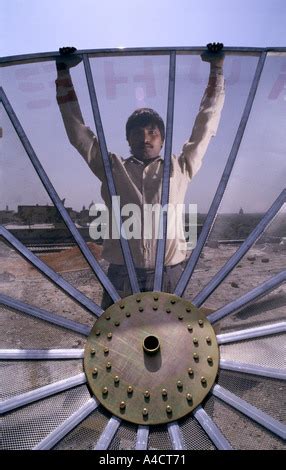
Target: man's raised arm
(80, 136)
(208, 118)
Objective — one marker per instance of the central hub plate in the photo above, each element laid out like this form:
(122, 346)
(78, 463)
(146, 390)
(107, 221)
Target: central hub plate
(151, 358)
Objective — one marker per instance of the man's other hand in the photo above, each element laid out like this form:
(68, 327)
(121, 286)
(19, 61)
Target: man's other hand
(67, 59)
(214, 54)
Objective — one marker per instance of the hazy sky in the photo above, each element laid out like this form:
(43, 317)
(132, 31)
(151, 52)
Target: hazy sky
(30, 26)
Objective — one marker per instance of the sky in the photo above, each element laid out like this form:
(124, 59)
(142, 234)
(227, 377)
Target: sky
(32, 26)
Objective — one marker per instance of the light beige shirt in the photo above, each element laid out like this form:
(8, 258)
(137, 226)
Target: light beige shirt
(139, 184)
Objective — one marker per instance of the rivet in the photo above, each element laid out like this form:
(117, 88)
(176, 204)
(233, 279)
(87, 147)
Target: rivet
(95, 371)
(141, 309)
(190, 371)
(107, 317)
(203, 380)
(189, 397)
(195, 341)
(155, 307)
(180, 317)
(169, 409)
(138, 299)
(92, 351)
(128, 314)
(195, 356)
(117, 323)
(108, 365)
(173, 301)
(208, 340)
(105, 390)
(129, 389)
(155, 297)
(144, 412)
(190, 328)
(116, 379)
(168, 310)
(122, 405)
(164, 392)
(179, 384)
(106, 350)
(188, 309)
(97, 332)
(210, 359)
(147, 394)
(121, 306)
(200, 322)
(109, 335)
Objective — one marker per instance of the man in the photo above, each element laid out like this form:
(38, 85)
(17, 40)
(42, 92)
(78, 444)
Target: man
(138, 179)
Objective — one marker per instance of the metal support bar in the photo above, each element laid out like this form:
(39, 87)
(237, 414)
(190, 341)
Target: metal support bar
(211, 429)
(44, 315)
(68, 425)
(56, 199)
(107, 435)
(248, 410)
(246, 299)
(192, 262)
(40, 393)
(109, 177)
(176, 436)
(253, 369)
(49, 273)
(40, 354)
(142, 438)
(236, 257)
(250, 333)
(161, 242)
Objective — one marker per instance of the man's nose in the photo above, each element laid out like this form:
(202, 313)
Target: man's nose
(146, 136)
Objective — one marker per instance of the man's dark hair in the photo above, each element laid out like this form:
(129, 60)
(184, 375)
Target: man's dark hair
(145, 117)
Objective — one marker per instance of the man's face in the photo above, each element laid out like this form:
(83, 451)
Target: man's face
(145, 142)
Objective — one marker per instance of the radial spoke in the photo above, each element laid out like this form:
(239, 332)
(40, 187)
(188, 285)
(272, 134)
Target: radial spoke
(142, 438)
(175, 436)
(109, 178)
(257, 415)
(253, 369)
(248, 298)
(192, 262)
(108, 434)
(48, 272)
(44, 315)
(56, 199)
(250, 333)
(161, 242)
(211, 429)
(68, 425)
(41, 354)
(40, 393)
(246, 245)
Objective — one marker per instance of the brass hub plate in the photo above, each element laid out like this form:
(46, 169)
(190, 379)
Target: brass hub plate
(151, 358)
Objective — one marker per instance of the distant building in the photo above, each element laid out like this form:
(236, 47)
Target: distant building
(241, 212)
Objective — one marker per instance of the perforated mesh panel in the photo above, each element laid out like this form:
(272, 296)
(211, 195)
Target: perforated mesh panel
(267, 351)
(125, 437)
(26, 427)
(86, 434)
(241, 432)
(21, 331)
(194, 436)
(22, 376)
(269, 395)
(159, 438)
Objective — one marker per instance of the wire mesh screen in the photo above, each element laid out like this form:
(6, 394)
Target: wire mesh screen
(125, 437)
(269, 395)
(159, 438)
(268, 351)
(86, 434)
(26, 427)
(22, 376)
(241, 432)
(194, 436)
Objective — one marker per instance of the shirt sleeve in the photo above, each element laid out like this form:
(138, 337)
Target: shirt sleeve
(206, 124)
(79, 135)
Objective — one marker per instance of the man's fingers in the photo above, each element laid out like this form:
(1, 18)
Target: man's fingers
(215, 46)
(67, 50)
